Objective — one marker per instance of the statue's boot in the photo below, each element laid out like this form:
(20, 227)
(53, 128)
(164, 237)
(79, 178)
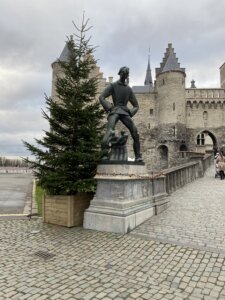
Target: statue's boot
(136, 147)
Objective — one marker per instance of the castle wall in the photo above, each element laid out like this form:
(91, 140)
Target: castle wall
(147, 115)
(205, 108)
(216, 134)
(146, 121)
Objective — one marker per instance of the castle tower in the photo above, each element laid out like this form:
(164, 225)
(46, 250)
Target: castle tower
(57, 72)
(170, 87)
(222, 76)
(56, 69)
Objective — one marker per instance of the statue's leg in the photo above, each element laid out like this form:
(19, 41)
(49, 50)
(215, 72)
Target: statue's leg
(112, 120)
(128, 122)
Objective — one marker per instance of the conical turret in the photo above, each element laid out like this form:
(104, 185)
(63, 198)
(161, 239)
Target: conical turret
(64, 56)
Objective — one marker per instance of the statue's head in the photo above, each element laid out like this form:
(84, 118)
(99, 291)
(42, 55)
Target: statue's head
(124, 74)
(124, 70)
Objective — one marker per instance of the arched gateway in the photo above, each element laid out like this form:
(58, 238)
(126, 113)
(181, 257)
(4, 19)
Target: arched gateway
(206, 141)
(163, 157)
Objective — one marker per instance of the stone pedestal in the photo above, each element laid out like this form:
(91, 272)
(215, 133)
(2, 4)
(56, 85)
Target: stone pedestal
(126, 197)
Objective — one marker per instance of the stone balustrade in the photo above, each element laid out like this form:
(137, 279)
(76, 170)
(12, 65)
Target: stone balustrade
(177, 177)
(216, 93)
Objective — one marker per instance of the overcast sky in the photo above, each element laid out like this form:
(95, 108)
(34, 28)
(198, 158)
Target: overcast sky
(33, 34)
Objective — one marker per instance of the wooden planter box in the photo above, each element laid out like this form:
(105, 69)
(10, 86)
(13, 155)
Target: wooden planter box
(65, 210)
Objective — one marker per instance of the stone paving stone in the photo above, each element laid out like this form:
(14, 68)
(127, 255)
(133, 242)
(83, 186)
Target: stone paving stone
(98, 265)
(195, 217)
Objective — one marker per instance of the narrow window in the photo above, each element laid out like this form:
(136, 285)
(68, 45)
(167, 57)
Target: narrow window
(202, 139)
(151, 111)
(205, 115)
(173, 106)
(174, 131)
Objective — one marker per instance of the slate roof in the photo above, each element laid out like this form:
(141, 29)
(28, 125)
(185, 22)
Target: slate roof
(64, 56)
(142, 89)
(170, 62)
(148, 77)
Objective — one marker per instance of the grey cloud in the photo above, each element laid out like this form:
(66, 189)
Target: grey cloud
(33, 34)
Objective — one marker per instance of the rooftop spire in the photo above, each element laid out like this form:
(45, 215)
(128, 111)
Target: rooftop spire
(148, 77)
(170, 61)
(193, 84)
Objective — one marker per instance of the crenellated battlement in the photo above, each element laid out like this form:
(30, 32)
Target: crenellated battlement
(206, 104)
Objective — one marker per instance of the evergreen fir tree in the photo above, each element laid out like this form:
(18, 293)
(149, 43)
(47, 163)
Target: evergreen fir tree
(67, 155)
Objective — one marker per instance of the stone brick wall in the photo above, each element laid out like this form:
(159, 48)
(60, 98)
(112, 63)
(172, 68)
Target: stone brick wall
(171, 97)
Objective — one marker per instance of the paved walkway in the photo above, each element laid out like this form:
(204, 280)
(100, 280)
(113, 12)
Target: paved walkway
(40, 261)
(195, 218)
(15, 192)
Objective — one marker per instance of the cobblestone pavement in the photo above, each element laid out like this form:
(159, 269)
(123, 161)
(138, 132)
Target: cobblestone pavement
(40, 261)
(195, 218)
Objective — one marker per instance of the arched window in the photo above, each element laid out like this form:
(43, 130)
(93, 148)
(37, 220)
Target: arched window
(163, 157)
(205, 115)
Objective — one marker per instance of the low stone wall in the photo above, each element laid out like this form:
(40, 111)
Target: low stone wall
(177, 177)
(15, 170)
(207, 161)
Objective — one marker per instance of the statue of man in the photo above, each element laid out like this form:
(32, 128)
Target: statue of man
(121, 94)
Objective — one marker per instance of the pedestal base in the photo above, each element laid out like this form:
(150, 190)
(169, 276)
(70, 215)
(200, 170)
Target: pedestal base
(118, 224)
(126, 197)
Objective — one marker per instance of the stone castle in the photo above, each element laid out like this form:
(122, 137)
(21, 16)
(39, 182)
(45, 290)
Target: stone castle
(172, 118)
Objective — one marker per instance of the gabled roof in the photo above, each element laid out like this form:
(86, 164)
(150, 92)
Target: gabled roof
(170, 62)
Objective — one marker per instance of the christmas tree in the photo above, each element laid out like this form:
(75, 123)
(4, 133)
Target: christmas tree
(66, 157)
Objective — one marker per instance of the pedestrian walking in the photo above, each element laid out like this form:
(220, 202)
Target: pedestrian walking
(220, 162)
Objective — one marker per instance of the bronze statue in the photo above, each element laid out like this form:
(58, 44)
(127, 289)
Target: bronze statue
(121, 94)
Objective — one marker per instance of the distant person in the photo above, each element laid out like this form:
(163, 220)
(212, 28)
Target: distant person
(220, 161)
(121, 94)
